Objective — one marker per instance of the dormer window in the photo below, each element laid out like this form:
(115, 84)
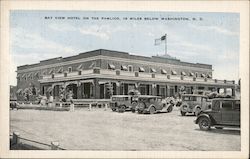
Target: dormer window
(191, 74)
(79, 67)
(60, 70)
(209, 76)
(51, 71)
(203, 75)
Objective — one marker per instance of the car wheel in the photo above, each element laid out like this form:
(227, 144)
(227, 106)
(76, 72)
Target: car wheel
(218, 127)
(197, 111)
(113, 109)
(183, 113)
(140, 111)
(122, 108)
(204, 123)
(152, 110)
(132, 110)
(170, 108)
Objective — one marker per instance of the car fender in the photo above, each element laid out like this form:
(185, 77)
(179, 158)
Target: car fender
(183, 104)
(152, 105)
(202, 115)
(197, 106)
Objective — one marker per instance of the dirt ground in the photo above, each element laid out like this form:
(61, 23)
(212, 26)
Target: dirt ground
(106, 130)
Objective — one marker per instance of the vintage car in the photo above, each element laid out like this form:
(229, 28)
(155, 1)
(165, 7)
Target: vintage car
(194, 103)
(153, 104)
(225, 112)
(122, 103)
(13, 104)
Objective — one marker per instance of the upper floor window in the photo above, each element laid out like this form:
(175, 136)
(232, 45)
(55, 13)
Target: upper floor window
(69, 69)
(130, 68)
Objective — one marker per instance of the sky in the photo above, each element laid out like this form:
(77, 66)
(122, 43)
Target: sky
(209, 38)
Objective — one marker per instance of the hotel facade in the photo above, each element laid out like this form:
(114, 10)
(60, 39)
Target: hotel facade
(92, 74)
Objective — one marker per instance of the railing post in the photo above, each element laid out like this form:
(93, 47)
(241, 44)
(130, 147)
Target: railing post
(16, 138)
(106, 106)
(54, 145)
(90, 106)
(72, 107)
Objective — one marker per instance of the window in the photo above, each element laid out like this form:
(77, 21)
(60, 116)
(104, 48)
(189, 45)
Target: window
(216, 105)
(193, 98)
(130, 68)
(226, 105)
(186, 98)
(69, 69)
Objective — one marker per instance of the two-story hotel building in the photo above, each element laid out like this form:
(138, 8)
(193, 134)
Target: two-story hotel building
(87, 75)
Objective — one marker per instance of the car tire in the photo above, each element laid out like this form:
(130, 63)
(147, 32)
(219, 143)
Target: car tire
(170, 109)
(152, 110)
(122, 108)
(183, 113)
(204, 123)
(113, 109)
(132, 110)
(197, 111)
(140, 111)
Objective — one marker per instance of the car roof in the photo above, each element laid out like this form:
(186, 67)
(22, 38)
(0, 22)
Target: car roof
(149, 96)
(226, 99)
(194, 95)
(121, 95)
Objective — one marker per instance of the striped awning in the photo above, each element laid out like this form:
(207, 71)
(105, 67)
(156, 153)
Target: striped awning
(163, 71)
(141, 69)
(79, 67)
(111, 66)
(183, 73)
(123, 67)
(60, 70)
(153, 70)
(209, 76)
(174, 72)
(51, 71)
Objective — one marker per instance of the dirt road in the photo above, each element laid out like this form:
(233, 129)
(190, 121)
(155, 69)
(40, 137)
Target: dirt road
(107, 130)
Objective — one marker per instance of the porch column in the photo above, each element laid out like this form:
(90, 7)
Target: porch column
(233, 92)
(79, 90)
(118, 88)
(167, 91)
(96, 90)
(154, 89)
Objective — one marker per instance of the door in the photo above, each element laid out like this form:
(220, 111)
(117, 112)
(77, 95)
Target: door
(227, 112)
(236, 113)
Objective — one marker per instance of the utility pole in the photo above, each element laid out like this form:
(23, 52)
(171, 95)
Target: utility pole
(166, 44)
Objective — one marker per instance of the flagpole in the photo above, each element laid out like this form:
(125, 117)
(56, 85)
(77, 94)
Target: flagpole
(166, 44)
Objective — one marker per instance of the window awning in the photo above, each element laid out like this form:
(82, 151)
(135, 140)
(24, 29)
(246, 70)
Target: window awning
(153, 70)
(60, 70)
(141, 69)
(183, 73)
(202, 75)
(125, 68)
(79, 67)
(51, 71)
(163, 71)
(209, 76)
(191, 73)
(174, 72)
(111, 66)
(30, 74)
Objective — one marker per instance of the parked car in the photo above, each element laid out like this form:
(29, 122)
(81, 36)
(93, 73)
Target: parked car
(194, 103)
(153, 104)
(13, 104)
(122, 103)
(225, 112)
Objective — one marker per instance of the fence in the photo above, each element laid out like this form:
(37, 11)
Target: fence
(20, 143)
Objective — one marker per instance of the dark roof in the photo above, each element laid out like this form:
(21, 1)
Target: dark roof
(111, 53)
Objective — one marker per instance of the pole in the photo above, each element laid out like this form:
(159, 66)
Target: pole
(166, 44)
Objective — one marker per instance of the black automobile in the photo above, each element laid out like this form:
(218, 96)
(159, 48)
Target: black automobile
(13, 104)
(225, 112)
